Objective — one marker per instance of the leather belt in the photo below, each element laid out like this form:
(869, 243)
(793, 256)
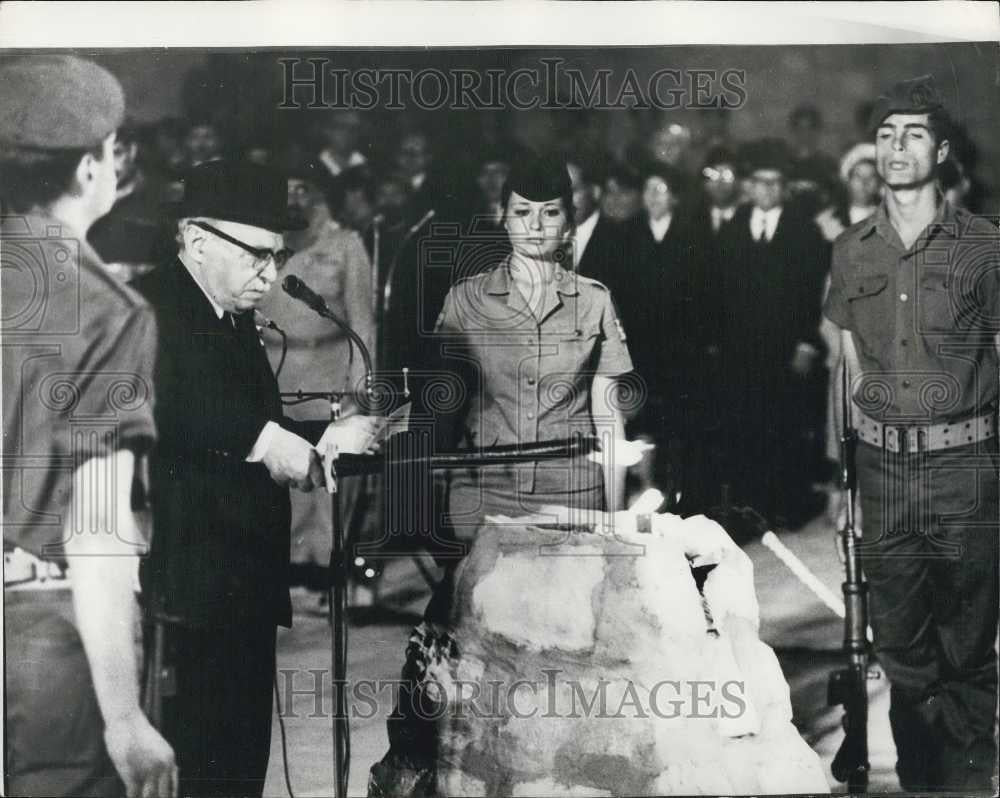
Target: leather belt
(22, 570)
(924, 437)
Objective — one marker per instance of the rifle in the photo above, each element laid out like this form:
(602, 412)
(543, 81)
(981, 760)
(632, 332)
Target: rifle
(848, 687)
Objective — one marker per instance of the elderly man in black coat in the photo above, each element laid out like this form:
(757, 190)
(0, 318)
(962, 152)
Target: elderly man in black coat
(771, 265)
(218, 567)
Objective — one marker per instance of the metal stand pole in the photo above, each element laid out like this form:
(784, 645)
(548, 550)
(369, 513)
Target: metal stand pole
(375, 279)
(337, 596)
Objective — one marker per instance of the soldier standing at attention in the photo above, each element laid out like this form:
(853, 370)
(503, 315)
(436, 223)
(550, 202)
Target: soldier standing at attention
(78, 350)
(915, 291)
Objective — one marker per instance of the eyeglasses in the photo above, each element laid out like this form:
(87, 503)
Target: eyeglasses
(280, 258)
(719, 175)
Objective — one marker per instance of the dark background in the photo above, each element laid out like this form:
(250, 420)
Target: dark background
(243, 89)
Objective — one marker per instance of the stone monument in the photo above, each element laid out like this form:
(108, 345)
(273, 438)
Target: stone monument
(597, 660)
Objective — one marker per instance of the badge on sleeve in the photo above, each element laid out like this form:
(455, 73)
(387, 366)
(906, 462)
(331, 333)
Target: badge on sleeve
(621, 330)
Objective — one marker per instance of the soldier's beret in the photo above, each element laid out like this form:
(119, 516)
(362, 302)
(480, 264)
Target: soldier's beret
(913, 96)
(539, 179)
(56, 102)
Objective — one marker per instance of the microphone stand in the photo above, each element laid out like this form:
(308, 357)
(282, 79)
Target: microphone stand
(336, 594)
(376, 247)
(337, 589)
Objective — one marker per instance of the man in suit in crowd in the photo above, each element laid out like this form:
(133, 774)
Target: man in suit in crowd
(338, 131)
(217, 575)
(772, 262)
(597, 242)
(720, 188)
(661, 296)
(812, 174)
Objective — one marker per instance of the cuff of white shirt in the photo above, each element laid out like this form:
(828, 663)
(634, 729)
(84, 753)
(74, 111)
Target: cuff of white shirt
(807, 348)
(263, 441)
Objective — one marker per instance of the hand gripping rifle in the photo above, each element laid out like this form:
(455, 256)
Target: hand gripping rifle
(848, 687)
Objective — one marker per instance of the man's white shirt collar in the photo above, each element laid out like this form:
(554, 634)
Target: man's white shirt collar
(720, 215)
(765, 222)
(659, 227)
(354, 159)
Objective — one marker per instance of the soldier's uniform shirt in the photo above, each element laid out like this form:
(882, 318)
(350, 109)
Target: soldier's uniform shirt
(77, 363)
(530, 377)
(78, 351)
(923, 317)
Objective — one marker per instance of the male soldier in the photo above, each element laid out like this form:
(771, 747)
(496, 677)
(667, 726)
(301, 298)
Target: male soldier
(77, 357)
(915, 289)
(218, 570)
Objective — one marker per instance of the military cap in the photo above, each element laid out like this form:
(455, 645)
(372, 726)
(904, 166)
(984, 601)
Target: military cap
(539, 179)
(57, 102)
(914, 96)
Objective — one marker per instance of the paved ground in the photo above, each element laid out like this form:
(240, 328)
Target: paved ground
(804, 633)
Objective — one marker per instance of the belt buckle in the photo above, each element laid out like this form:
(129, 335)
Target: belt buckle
(911, 439)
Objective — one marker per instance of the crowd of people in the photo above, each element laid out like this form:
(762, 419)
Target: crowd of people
(715, 251)
(671, 288)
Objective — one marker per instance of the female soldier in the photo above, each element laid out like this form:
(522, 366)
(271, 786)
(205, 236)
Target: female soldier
(540, 348)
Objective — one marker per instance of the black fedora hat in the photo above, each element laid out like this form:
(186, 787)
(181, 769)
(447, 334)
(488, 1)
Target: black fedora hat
(237, 191)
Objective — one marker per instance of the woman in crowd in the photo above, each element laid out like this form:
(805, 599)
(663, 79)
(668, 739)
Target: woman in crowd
(861, 191)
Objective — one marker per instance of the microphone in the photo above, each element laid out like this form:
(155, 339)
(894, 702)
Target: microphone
(297, 289)
(377, 219)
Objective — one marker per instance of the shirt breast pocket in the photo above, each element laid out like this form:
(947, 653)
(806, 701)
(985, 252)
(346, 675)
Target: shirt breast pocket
(937, 300)
(870, 305)
(575, 349)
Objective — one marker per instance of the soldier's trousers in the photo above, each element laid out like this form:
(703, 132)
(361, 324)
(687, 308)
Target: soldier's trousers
(930, 556)
(55, 732)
